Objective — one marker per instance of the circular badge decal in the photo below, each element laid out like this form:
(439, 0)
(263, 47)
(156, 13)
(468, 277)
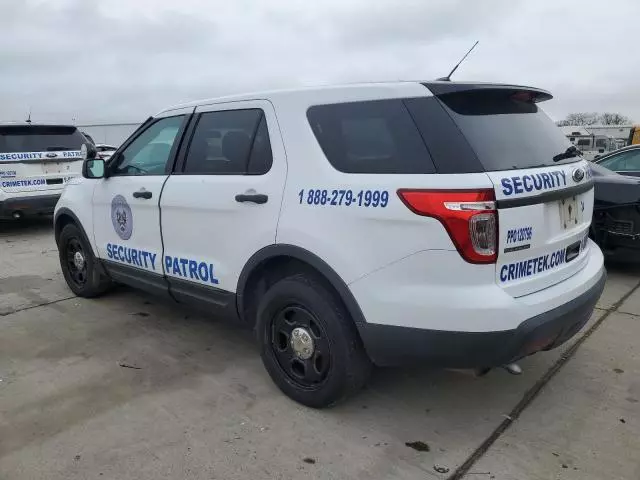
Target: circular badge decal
(578, 175)
(121, 217)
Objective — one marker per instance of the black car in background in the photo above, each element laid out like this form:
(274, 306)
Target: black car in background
(616, 214)
(625, 161)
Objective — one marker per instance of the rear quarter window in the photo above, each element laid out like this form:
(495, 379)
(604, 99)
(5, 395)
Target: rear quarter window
(370, 137)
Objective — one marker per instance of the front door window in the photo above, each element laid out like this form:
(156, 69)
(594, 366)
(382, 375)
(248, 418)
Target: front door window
(148, 153)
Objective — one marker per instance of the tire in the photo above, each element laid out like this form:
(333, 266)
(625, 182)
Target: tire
(338, 365)
(88, 281)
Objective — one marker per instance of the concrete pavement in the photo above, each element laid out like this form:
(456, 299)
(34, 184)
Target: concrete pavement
(127, 386)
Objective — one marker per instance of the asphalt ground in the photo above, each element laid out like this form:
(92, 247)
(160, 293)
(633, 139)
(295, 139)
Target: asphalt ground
(131, 387)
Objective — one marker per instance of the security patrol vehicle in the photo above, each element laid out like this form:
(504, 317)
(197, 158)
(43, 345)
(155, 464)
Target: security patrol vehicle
(36, 161)
(440, 222)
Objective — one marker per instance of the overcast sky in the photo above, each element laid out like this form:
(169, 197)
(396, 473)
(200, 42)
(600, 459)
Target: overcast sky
(122, 60)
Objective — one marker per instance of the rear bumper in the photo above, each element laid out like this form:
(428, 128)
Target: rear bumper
(27, 206)
(389, 345)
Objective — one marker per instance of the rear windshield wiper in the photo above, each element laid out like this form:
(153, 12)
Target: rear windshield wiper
(570, 152)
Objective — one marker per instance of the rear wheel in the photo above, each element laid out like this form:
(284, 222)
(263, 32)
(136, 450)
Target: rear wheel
(309, 345)
(79, 266)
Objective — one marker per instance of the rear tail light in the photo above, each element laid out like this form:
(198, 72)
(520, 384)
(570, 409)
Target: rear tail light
(469, 216)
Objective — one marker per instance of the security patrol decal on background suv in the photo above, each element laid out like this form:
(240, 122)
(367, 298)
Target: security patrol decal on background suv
(378, 224)
(36, 161)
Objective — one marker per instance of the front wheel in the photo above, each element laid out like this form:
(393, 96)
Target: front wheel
(79, 266)
(309, 344)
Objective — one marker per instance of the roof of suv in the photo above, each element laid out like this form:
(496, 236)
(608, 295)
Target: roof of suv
(32, 124)
(374, 89)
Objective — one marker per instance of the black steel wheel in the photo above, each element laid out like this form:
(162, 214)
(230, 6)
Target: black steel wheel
(76, 262)
(300, 346)
(82, 271)
(309, 344)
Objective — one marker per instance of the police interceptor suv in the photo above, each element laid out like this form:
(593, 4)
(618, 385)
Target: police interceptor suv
(36, 161)
(438, 222)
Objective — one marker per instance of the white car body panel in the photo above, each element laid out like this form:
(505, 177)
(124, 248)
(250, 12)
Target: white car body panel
(403, 269)
(33, 172)
(437, 290)
(203, 222)
(535, 231)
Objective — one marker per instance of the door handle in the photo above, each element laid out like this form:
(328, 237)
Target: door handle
(143, 194)
(252, 197)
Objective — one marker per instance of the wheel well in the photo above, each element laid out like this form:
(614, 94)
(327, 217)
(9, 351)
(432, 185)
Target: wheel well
(61, 221)
(267, 273)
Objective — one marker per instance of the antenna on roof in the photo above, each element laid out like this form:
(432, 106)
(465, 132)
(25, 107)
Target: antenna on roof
(29, 117)
(448, 77)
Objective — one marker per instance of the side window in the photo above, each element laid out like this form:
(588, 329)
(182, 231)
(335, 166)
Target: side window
(611, 163)
(370, 137)
(230, 142)
(149, 152)
(631, 161)
(261, 157)
(623, 162)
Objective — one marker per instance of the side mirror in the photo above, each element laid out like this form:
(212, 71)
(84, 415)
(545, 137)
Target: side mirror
(93, 168)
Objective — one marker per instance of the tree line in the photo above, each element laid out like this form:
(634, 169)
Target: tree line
(594, 118)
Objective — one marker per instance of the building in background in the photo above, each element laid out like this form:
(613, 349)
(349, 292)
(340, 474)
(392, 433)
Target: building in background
(593, 141)
(109, 133)
(620, 133)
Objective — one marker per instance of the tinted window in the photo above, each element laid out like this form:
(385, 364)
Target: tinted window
(370, 137)
(584, 142)
(230, 142)
(623, 162)
(449, 150)
(149, 152)
(505, 132)
(261, 157)
(39, 138)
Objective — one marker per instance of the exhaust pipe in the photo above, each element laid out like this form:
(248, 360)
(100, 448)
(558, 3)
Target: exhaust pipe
(513, 368)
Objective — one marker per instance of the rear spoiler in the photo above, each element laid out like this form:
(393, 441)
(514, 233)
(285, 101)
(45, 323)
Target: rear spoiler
(529, 94)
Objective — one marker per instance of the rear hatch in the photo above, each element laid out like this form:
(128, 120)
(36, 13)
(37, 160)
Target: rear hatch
(38, 157)
(543, 191)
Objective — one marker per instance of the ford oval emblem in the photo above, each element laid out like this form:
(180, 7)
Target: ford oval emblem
(578, 175)
(51, 155)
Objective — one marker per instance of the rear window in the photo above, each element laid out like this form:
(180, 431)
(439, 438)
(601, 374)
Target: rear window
(505, 133)
(38, 138)
(370, 137)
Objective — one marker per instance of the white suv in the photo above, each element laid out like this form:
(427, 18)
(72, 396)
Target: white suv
(36, 161)
(440, 222)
